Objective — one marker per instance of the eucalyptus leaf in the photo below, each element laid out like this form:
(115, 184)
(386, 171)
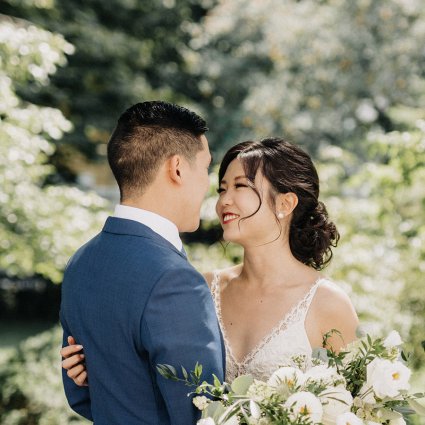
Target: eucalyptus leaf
(241, 384)
(417, 407)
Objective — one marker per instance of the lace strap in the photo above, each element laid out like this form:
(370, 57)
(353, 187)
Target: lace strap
(215, 289)
(304, 306)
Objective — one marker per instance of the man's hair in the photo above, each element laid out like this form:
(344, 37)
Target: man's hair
(146, 135)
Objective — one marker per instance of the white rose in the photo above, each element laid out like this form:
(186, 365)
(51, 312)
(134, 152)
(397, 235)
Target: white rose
(286, 375)
(388, 378)
(336, 401)
(322, 373)
(207, 421)
(393, 340)
(201, 402)
(306, 403)
(348, 418)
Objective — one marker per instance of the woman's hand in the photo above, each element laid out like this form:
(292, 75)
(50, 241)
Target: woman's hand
(74, 362)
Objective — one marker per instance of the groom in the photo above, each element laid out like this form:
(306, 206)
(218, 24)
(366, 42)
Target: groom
(129, 296)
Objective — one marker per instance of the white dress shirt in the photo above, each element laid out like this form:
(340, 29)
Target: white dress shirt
(160, 225)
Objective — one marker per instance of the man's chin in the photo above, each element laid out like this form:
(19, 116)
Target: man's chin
(193, 227)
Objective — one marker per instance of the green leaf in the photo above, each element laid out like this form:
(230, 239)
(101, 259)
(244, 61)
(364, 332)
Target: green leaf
(217, 382)
(184, 372)
(417, 407)
(241, 384)
(214, 410)
(321, 354)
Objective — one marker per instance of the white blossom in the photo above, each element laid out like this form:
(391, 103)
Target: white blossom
(393, 340)
(201, 402)
(336, 401)
(306, 403)
(348, 418)
(388, 378)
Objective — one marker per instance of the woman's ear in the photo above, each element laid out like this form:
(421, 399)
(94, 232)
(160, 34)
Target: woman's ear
(285, 204)
(173, 166)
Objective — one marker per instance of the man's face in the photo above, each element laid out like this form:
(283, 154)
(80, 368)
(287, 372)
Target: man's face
(197, 183)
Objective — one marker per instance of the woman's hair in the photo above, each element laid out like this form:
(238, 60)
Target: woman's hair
(289, 169)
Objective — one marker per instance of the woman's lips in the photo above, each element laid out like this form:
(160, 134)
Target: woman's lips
(228, 217)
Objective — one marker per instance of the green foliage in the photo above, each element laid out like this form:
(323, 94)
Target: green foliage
(125, 52)
(31, 387)
(313, 71)
(41, 225)
(378, 204)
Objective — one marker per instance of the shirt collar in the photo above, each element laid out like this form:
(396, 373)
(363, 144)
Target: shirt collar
(160, 225)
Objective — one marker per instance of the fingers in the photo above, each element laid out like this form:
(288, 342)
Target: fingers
(72, 361)
(75, 371)
(71, 340)
(70, 350)
(82, 380)
(78, 374)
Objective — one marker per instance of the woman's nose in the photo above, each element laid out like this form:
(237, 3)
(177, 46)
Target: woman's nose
(226, 199)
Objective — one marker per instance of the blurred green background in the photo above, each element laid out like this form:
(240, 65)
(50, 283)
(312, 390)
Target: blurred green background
(344, 79)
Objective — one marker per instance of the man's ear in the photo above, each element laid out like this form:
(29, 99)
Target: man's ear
(173, 166)
(286, 203)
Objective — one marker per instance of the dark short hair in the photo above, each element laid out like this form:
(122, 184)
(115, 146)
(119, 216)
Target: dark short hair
(289, 169)
(146, 135)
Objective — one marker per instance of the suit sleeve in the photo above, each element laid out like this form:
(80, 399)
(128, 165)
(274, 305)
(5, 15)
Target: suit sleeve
(179, 327)
(78, 397)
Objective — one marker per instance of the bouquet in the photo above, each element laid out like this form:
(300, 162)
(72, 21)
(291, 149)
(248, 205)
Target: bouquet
(366, 383)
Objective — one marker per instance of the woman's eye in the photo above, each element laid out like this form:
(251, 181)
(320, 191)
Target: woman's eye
(220, 190)
(240, 185)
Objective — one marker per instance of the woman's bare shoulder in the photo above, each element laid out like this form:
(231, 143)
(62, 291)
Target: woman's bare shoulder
(334, 309)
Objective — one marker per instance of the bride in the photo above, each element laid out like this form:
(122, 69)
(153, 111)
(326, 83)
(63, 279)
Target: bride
(275, 304)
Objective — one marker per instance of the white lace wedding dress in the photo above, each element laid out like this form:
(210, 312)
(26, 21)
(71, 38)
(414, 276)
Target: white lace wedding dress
(287, 339)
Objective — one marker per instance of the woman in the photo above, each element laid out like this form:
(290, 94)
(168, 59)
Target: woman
(276, 304)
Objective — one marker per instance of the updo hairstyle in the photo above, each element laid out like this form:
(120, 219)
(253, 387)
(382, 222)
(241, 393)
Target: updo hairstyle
(289, 169)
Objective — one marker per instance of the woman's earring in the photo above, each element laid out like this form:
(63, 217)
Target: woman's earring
(281, 215)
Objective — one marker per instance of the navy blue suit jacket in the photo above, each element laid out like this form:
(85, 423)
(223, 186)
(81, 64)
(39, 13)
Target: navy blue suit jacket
(134, 301)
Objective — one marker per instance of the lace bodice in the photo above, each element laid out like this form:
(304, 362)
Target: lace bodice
(287, 339)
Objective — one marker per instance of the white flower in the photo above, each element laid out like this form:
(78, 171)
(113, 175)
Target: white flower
(322, 373)
(373, 423)
(286, 375)
(306, 403)
(388, 378)
(259, 390)
(348, 418)
(201, 402)
(336, 401)
(393, 340)
(207, 421)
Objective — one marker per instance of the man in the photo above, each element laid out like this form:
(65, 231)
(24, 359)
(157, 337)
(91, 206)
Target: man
(129, 296)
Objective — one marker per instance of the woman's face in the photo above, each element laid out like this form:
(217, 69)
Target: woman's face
(238, 200)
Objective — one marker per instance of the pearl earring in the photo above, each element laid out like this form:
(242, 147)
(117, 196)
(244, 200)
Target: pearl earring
(281, 215)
